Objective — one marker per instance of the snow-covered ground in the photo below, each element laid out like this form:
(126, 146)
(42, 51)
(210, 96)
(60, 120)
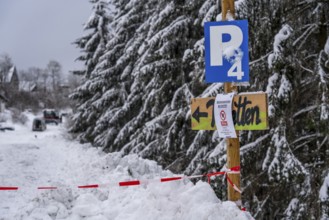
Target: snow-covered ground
(33, 159)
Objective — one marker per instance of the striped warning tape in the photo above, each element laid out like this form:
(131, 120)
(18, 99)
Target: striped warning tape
(233, 170)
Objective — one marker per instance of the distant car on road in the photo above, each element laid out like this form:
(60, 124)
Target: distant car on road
(39, 124)
(52, 116)
(4, 128)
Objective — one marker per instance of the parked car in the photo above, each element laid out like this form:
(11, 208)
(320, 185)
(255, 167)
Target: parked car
(6, 128)
(52, 116)
(39, 124)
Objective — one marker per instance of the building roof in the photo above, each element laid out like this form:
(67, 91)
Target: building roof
(10, 74)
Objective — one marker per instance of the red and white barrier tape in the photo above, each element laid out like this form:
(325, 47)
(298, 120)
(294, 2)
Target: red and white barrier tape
(233, 170)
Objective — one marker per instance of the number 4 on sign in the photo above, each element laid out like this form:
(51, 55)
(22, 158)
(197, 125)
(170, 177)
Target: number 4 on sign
(236, 70)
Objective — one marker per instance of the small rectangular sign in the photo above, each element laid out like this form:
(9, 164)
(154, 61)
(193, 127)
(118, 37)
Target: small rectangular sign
(226, 51)
(223, 115)
(249, 112)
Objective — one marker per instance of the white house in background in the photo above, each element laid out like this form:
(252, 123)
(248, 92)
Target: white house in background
(28, 86)
(9, 81)
(9, 84)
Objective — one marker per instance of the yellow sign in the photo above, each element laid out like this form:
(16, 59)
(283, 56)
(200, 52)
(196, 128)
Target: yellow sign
(249, 112)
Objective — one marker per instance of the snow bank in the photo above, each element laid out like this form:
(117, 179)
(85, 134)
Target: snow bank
(33, 159)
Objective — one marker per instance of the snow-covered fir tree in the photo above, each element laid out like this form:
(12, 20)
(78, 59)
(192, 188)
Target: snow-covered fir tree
(136, 98)
(93, 47)
(287, 40)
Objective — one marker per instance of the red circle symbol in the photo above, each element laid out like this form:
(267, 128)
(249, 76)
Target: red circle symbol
(222, 115)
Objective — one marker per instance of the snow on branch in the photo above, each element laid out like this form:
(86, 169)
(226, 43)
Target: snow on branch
(175, 28)
(212, 90)
(280, 162)
(311, 29)
(323, 65)
(324, 190)
(182, 94)
(285, 88)
(246, 148)
(279, 38)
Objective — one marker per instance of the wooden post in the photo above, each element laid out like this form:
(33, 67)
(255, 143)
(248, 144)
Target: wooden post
(232, 144)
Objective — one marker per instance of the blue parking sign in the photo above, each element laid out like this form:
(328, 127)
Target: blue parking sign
(226, 48)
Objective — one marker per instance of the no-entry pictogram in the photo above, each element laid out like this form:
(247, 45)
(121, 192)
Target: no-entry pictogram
(222, 115)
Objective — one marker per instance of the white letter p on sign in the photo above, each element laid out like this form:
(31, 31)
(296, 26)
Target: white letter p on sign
(217, 46)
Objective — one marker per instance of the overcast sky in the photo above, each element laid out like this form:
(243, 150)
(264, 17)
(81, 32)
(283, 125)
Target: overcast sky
(32, 32)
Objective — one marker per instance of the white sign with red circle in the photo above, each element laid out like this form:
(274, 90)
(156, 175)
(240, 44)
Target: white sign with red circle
(223, 115)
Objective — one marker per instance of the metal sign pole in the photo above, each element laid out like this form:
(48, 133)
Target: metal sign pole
(232, 144)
